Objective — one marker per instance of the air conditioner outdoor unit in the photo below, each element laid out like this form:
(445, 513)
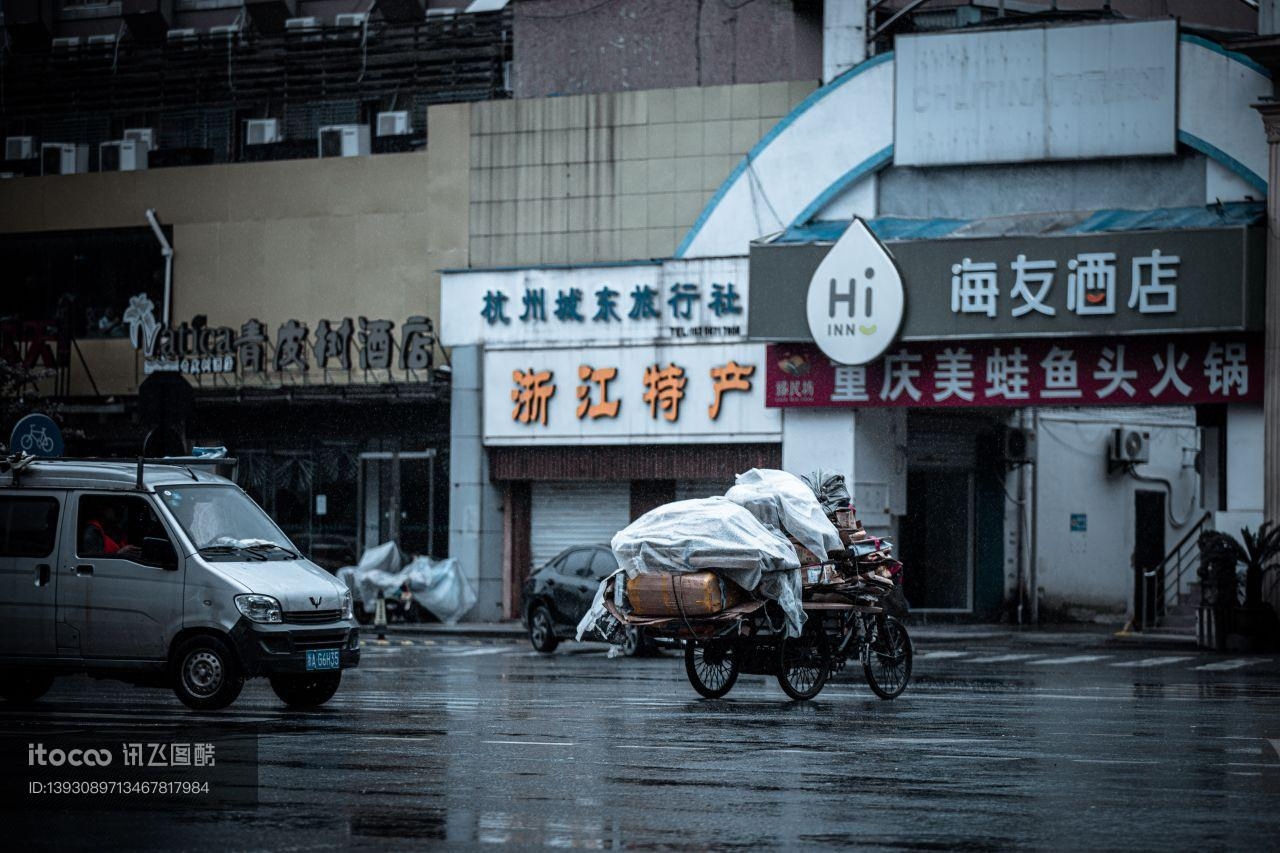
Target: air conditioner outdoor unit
(19, 147)
(261, 131)
(1130, 446)
(350, 19)
(102, 40)
(1019, 446)
(63, 158)
(66, 43)
(296, 24)
(144, 135)
(122, 155)
(182, 34)
(394, 123)
(344, 140)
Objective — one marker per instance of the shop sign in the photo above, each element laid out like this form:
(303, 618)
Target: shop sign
(196, 348)
(1079, 372)
(669, 302)
(611, 396)
(856, 301)
(1036, 93)
(1079, 285)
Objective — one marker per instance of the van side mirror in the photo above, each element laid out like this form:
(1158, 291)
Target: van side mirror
(158, 551)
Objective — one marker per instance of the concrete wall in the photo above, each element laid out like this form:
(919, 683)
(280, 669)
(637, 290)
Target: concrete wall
(570, 47)
(475, 504)
(608, 177)
(1091, 571)
(304, 239)
(1244, 453)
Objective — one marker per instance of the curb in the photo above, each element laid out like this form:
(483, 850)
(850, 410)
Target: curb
(463, 630)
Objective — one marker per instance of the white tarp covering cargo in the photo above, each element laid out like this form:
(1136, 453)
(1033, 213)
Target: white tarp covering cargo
(783, 501)
(709, 534)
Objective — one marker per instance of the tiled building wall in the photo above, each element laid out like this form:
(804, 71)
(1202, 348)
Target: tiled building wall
(608, 177)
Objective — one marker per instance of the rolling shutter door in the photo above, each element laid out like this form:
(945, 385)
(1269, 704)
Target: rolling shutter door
(564, 514)
(690, 489)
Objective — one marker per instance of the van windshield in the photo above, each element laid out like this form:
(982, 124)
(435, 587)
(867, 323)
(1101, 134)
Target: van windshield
(223, 522)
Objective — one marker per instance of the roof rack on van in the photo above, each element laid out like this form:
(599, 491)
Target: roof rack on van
(17, 463)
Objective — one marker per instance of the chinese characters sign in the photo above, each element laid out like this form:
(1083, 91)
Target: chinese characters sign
(197, 348)
(616, 395)
(669, 302)
(1092, 279)
(1079, 285)
(1112, 371)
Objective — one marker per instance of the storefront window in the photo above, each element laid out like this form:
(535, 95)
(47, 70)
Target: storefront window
(312, 494)
(79, 282)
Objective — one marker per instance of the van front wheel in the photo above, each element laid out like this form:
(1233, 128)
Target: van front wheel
(306, 691)
(22, 688)
(206, 675)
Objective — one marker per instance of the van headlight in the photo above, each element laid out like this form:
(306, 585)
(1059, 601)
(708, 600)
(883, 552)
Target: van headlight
(348, 611)
(259, 608)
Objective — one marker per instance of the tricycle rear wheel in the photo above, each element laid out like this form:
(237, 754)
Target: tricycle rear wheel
(887, 659)
(712, 666)
(804, 662)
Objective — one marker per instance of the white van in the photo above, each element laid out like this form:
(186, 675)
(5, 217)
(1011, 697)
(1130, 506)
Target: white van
(160, 574)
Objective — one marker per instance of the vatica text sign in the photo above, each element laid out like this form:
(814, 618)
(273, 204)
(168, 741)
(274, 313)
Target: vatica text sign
(1183, 370)
(618, 395)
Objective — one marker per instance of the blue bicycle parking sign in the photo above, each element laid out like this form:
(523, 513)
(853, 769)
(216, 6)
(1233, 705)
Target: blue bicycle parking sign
(37, 435)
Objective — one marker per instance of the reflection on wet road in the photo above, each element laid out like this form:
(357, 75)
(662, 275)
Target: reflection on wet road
(470, 743)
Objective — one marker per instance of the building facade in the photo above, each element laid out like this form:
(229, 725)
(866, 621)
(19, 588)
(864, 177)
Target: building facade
(1008, 500)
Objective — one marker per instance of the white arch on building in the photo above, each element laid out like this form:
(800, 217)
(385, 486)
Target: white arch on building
(826, 147)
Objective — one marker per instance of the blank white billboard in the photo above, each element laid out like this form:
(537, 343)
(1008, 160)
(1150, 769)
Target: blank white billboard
(1059, 93)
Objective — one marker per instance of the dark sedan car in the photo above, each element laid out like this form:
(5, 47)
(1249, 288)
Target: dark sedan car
(558, 594)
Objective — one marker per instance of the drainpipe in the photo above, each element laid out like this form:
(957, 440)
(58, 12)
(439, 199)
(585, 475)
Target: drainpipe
(1022, 527)
(1034, 501)
(167, 251)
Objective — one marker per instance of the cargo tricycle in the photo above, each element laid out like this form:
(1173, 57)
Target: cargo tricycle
(845, 620)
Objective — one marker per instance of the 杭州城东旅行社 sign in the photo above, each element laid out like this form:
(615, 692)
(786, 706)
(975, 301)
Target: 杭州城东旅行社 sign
(1079, 285)
(657, 302)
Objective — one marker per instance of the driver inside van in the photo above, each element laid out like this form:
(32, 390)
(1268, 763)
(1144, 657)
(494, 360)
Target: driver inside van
(104, 534)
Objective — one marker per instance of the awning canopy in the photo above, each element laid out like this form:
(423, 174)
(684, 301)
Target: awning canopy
(896, 228)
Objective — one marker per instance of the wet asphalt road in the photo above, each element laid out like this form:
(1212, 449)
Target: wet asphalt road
(465, 744)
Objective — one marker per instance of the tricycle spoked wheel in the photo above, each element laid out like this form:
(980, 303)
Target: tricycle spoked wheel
(712, 666)
(804, 662)
(887, 659)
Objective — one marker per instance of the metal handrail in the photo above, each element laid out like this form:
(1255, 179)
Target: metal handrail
(1174, 583)
(1173, 567)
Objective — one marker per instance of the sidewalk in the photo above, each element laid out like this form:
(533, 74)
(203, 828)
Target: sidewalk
(1072, 634)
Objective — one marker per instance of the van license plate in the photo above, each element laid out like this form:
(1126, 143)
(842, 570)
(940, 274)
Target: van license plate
(322, 659)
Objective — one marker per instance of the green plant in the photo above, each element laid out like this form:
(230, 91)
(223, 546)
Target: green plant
(1258, 552)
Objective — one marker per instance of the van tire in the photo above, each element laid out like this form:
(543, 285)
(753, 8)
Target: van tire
(309, 690)
(22, 687)
(206, 674)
